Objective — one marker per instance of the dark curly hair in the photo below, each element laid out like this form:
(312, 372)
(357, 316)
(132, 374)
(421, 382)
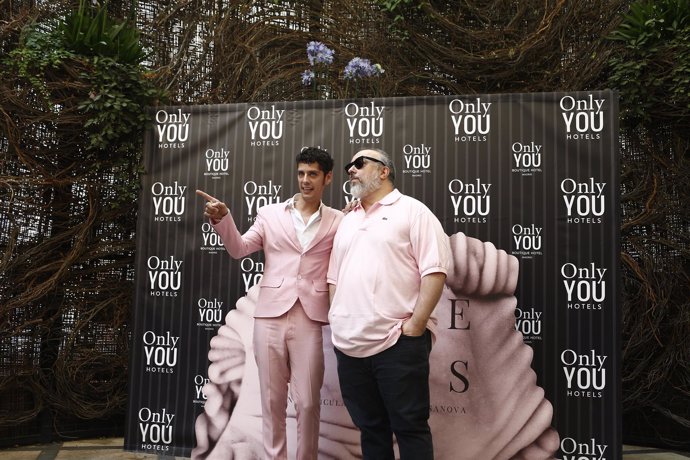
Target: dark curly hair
(316, 155)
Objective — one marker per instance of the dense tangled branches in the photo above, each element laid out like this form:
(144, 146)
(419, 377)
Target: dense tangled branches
(245, 52)
(655, 236)
(67, 182)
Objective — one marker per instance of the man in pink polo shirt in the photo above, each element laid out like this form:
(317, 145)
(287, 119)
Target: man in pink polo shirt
(387, 269)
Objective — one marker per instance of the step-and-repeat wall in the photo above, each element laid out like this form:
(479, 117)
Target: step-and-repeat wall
(526, 186)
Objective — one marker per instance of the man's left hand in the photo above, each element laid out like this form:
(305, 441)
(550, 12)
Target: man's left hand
(350, 206)
(412, 328)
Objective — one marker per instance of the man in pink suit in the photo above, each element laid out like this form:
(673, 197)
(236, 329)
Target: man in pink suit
(296, 237)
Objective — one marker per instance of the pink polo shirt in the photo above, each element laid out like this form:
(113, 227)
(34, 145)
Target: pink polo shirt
(377, 263)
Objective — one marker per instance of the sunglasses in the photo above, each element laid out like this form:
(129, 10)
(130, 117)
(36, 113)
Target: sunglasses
(359, 163)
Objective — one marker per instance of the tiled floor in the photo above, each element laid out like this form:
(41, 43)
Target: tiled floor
(111, 449)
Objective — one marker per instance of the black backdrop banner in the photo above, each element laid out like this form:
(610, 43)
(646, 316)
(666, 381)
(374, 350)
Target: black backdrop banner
(526, 185)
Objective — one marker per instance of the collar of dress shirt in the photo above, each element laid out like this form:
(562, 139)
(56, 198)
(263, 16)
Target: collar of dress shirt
(290, 203)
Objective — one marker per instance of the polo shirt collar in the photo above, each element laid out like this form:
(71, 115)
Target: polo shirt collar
(387, 200)
(391, 198)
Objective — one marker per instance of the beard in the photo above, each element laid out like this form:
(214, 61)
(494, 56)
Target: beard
(366, 186)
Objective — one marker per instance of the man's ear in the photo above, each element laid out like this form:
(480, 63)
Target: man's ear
(385, 172)
(328, 178)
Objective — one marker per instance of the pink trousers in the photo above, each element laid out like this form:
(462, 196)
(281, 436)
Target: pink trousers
(289, 348)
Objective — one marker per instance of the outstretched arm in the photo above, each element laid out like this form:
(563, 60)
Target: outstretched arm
(236, 244)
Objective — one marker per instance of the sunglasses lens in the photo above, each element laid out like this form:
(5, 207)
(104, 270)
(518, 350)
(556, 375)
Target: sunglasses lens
(358, 163)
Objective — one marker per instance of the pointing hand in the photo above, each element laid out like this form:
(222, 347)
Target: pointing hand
(214, 209)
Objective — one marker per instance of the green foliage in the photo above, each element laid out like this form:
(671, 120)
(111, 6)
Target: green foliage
(39, 51)
(115, 104)
(399, 10)
(86, 66)
(396, 7)
(651, 21)
(90, 31)
(86, 32)
(119, 88)
(653, 71)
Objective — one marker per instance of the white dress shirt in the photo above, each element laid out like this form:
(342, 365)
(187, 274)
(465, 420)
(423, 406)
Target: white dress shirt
(305, 231)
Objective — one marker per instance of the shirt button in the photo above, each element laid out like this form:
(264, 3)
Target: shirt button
(299, 277)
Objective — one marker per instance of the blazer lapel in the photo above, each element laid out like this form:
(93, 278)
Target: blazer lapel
(327, 218)
(289, 227)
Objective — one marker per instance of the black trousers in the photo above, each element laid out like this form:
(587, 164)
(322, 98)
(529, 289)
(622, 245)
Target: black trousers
(387, 394)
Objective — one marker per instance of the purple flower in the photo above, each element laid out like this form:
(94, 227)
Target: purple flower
(361, 68)
(318, 53)
(307, 77)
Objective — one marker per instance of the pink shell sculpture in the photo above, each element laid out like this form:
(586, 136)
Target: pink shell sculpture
(484, 397)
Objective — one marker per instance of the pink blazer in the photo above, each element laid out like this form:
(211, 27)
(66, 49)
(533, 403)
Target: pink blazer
(289, 272)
